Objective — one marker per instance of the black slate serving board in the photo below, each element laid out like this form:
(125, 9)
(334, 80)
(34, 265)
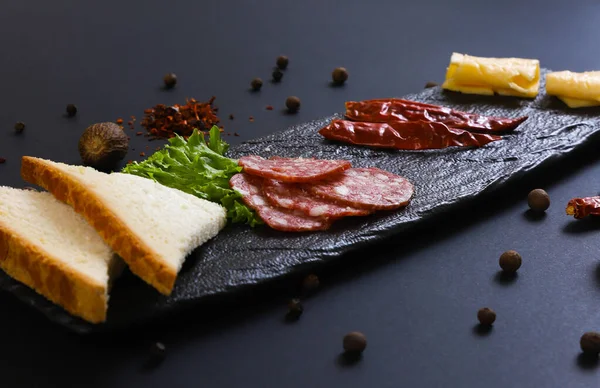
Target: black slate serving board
(241, 257)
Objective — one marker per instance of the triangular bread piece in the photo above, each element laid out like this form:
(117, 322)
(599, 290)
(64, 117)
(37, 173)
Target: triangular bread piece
(151, 226)
(47, 246)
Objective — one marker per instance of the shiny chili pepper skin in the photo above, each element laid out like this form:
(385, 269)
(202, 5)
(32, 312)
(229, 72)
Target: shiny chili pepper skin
(404, 135)
(582, 207)
(395, 109)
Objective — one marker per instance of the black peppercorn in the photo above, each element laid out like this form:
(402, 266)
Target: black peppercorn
(486, 316)
(71, 110)
(277, 75)
(510, 261)
(282, 62)
(430, 85)
(292, 103)
(538, 200)
(170, 80)
(295, 310)
(256, 84)
(339, 75)
(158, 350)
(355, 342)
(310, 284)
(590, 342)
(19, 127)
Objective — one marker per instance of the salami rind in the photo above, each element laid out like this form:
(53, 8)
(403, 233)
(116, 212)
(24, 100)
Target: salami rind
(250, 187)
(292, 169)
(366, 188)
(293, 196)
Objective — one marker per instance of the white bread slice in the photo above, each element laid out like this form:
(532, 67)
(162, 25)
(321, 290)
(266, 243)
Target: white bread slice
(151, 226)
(45, 245)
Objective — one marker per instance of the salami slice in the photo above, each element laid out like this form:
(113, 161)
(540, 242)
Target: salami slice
(366, 188)
(292, 169)
(277, 218)
(294, 196)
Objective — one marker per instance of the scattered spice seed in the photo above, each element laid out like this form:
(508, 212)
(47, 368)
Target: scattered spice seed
(120, 121)
(158, 350)
(163, 121)
(251, 118)
(310, 284)
(256, 84)
(71, 110)
(142, 154)
(510, 261)
(486, 316)
(19, 126)
(339, 75)
(277, 75)
(231, 117)
(431, 85)
(355, 342)
(292, 103)
(269, 107)
(2, 160)
(282, 62)
(538, 200)
(295, 310)
(590, 343)
(170, 80)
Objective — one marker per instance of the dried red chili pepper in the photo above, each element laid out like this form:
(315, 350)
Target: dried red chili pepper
(404, 135)
(166, 121)
(582, 207)
(395, 109)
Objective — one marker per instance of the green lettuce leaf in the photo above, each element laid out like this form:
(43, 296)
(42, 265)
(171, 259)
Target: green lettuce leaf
(198, 168)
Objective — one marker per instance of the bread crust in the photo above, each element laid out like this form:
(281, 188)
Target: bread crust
(140, 258)
(31, 265)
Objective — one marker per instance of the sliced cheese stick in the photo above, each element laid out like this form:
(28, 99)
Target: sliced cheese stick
(506, 76)
(577, 90)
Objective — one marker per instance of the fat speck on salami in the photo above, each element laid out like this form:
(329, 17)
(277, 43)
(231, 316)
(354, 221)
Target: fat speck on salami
(277, 218)
(292, 169)
(365, 188)
(294, 196)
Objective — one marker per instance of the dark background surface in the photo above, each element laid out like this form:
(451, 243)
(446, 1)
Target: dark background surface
(416, 297)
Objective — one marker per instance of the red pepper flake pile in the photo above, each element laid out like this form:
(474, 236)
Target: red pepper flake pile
(269, 107)
(2, 160)
(165, 121)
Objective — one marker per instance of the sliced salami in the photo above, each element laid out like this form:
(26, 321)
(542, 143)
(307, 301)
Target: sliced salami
(277, 218)
(294, 196)
(292, 169)
(365, 188)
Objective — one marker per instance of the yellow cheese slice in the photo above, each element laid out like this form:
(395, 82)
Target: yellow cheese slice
(577, 90)
(506, 76)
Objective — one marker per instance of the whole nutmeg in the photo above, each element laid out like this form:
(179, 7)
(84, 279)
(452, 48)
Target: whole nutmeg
(538, 200)
(590, 342)
(103, 145)
(510, 261)
(486, 316)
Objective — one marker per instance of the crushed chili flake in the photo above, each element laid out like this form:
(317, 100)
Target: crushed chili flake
(166, 121)
(142, 154)
(129, 162)
(269, 107)
(251, 118)
(139, 133)
(2, 160)
(130, 123)
(119, 121)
